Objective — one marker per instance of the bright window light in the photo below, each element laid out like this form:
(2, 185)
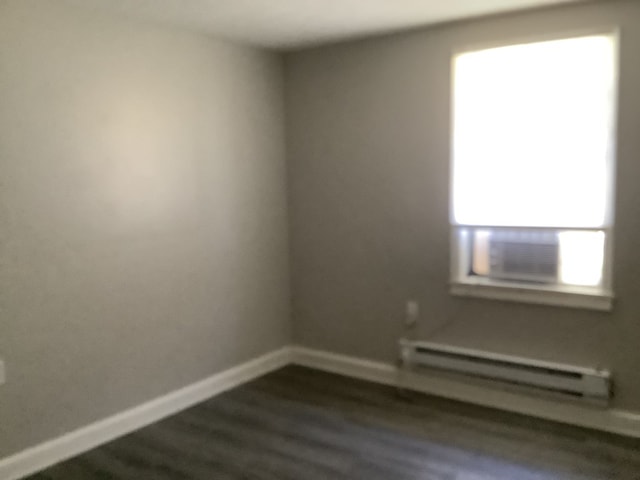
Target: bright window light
(581, 257)
(532, 163)
(532, 134)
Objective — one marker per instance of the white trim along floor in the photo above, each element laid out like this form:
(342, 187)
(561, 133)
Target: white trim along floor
(85, 438)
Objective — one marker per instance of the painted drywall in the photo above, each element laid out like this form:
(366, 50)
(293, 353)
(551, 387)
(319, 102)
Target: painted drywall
(143, 224)
(368, 153)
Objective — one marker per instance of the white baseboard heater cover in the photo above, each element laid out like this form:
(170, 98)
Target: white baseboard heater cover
(578, 382)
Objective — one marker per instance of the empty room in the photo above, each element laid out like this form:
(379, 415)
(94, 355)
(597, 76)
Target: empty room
(319, 239)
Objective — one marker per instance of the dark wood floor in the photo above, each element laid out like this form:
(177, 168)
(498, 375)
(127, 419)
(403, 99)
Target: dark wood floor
(301, 424)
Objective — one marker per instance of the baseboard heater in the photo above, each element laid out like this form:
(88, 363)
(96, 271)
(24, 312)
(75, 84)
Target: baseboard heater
(578, 382)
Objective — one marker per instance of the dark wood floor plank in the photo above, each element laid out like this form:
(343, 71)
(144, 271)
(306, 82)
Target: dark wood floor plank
(298, 424)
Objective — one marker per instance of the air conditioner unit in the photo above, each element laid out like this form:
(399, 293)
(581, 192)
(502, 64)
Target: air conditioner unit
(523, 255)
(577, 382)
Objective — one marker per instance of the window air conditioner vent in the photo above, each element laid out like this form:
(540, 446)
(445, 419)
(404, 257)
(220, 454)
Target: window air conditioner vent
(524, 255)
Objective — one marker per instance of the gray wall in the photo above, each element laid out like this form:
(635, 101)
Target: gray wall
(369, 174)
(143, 225)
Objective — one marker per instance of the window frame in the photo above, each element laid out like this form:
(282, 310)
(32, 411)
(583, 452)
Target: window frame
(599, 298)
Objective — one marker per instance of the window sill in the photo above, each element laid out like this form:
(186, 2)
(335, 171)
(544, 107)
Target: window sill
(561, 296)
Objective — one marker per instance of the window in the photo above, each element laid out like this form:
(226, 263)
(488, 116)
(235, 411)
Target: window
(532, 171)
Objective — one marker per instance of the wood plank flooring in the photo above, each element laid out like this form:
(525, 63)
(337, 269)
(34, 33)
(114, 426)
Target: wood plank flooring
(301, 424)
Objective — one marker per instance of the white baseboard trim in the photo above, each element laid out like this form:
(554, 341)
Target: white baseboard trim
(54, 451)
(76, 442)
(609, 420)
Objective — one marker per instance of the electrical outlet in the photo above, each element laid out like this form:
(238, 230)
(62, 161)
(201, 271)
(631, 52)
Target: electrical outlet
(412, 310)
(2, 373)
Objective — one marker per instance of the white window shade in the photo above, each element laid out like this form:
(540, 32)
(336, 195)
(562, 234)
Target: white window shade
(532, 134)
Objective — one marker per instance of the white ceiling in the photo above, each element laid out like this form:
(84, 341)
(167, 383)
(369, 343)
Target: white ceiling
(290, 24)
